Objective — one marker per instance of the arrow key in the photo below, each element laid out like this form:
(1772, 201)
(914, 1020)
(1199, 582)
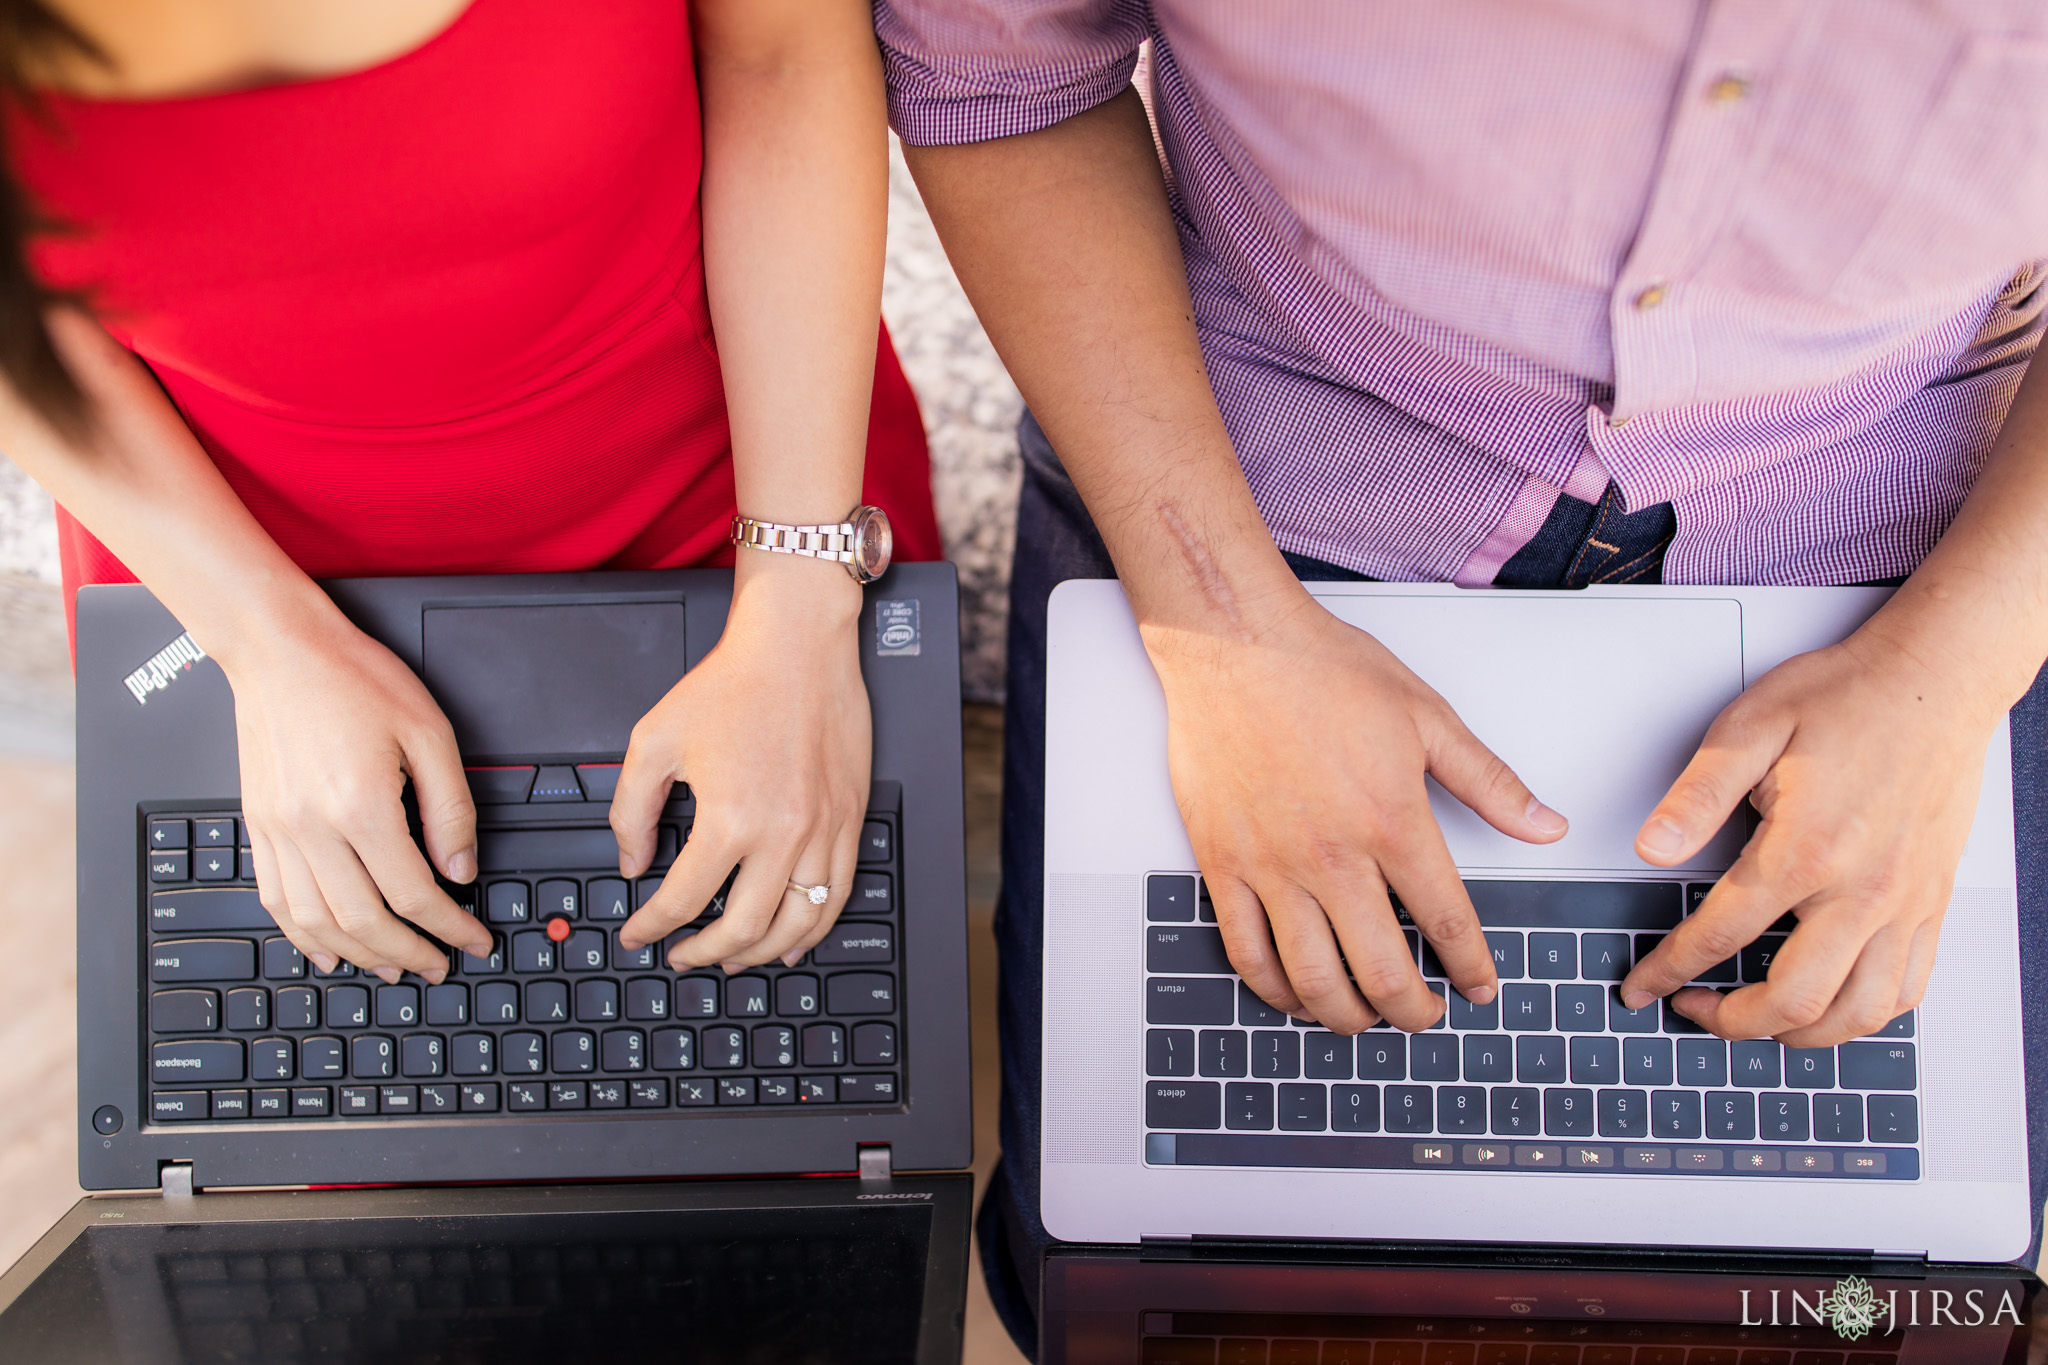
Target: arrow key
(213, 834)
(214, 864)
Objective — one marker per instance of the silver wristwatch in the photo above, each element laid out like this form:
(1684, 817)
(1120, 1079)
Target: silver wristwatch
(862, 542)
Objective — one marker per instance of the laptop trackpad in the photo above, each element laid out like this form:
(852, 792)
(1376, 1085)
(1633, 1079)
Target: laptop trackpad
(1596, 702)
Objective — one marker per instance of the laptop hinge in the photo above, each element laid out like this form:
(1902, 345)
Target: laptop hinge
(875, 1165)
(174, 1180)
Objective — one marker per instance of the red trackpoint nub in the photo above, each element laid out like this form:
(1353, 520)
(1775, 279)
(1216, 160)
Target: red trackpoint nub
(558, 928)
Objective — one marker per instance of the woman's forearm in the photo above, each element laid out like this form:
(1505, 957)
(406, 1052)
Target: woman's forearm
(141, 483)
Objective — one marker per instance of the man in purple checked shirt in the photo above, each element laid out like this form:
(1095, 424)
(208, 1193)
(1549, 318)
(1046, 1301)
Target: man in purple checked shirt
(1531, 293)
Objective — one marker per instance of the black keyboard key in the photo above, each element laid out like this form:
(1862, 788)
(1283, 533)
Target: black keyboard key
(1567, 1113)
(874, 1045)
(647, 998)
(1782, 1117)
(1433, 965)
(572, 1050)
(1575, 905)
(1276, 1055)
(824, 1045)
(348, 1007)
(874, 1088)
(1582, 1009)
(1810, 1068)
(1252, 1012)
(479, 1097)
(1554, 957)
(1838, 1118)
(1539, 1061)
(297, 1007)
(1702, 1061)
(1901, 1027)
(693, 1094)
(1355, 1108)
(358, 1100)
(1382, 1056)
(774, 1045)
(1757, 957)
(171, 865)
(231, 1104)
(650, 1092)
(1676, 1114)
(281, 961)
(1676, 1023)
(187, 1011)
(696, 997)
(213, 864)
(322, 1059)
(746, 997)
(342, 967)
(1170, 899)
(623, 1049)
(877, 843)
(1517, 1111)
(796, 996)
(1171, 1000)
(1756, 1063)
(1604, 957)
(1894, 1118)
(641, 959)
(1879, 1066)
(532, 951)
(610, 899)
(448, 1004)
(1596, 1061)
(1168, 1052)
(422, 1054)
(853, 942)
(1731, 1115)
(1247, 1105)
(204, 910)
(1623, 1113)
(1466, 1015)
(167, 834)
(398, 1006)
(497, 1002)
(1525, 1008)
(271, 1059)
(557, 896)
(213, 833)
(1194, 949)
(597, 1002)
(568, 1095)
(725, 1049)
(270, 1103)
(1488, 1057)
(202, 959)
(437, 1099)
(1325, 1056)
(472, 1054)
(547, 1002)
(525, 1095)
(586, 950)
(522, 1054)
(178, 1106)
(674, 1049)
(372, 1056)
(776, 1089)
(245, 865)
(491, 964)
(1506, 946)
(736, 1090)
(1623, 1020)
(1429, 1058)
(1410, 1109)
(508, 903)
(200, 1061)
(1461, 1109)
(1646, 1062)
(1223, 1052)
(1302, 1108)
(874, 893)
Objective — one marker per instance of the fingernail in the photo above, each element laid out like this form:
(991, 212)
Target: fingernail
(326, 962)
(462, 866)
(631, 945)
(389, 975)
(1546, 820)
(1636, 1000)
(790, 959)
(1481, 995)
(1303, 1015)
(436, 977)
(1661, 837)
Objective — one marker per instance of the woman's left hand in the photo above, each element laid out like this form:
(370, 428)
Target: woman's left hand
(772, 733)
(1864, 760)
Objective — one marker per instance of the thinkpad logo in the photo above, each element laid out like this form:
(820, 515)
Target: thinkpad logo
(164, 667)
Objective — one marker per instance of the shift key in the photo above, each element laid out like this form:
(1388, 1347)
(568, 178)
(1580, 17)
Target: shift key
(202, 959)
(1185, 948)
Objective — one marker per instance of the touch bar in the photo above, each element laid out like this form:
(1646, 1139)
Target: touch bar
(1331, 1152)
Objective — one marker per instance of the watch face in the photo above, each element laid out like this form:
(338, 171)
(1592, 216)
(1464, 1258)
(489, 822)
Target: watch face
(874, 541)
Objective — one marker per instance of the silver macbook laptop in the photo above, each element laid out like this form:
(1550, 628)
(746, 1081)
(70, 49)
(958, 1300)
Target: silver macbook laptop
(1177, 1104)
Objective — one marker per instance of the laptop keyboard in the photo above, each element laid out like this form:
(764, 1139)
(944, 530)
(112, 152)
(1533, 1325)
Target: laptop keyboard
(1554, 1075)
(560, 1019)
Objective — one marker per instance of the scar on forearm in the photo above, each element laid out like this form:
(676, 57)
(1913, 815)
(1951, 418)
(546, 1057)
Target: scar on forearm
(1202, 566)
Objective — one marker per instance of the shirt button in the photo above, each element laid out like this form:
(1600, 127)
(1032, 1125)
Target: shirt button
(1650, 297)
(1616, 422)
(1728, 87)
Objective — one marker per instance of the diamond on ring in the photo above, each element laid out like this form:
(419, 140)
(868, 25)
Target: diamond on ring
(816, 895)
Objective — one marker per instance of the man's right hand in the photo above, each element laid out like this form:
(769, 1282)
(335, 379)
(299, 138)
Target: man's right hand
(1298, 759)
(330, 725)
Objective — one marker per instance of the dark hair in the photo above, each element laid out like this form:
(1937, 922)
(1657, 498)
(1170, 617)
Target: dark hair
(28, 360)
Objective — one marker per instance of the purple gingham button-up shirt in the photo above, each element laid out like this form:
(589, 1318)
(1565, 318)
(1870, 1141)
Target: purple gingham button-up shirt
(1773, 262)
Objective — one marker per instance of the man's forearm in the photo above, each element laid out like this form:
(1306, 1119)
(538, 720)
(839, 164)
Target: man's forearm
(1064, 241)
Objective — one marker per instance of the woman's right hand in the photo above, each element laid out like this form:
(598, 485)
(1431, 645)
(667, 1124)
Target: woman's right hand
(331, 724)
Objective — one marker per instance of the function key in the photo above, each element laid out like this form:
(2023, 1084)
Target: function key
(556, 783)
(213, 833)
(437, 1099)
(479, 1097)
(817, 1089)
(1170, 899)
(651, 1093)
(173, 866)
(877, 843)
(169, 834)
(357, 1100)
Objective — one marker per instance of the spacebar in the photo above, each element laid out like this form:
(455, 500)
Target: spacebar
(543, 850)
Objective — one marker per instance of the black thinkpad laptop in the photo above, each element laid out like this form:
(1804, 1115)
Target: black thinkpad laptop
(214, 1061)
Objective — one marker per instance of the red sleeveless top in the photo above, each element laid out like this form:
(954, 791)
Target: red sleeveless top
(444, 315)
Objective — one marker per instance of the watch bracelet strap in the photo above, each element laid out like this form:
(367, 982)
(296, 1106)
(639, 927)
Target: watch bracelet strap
(835, 542)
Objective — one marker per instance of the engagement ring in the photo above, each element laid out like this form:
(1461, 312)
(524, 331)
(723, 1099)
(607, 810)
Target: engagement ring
(814, 894)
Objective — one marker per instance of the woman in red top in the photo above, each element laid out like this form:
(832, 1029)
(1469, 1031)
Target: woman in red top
(455, 286)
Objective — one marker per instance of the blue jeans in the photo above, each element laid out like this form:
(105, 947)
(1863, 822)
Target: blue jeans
(1056, 541)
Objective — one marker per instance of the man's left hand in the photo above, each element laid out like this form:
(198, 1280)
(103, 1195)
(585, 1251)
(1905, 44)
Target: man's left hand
(1865, 763)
